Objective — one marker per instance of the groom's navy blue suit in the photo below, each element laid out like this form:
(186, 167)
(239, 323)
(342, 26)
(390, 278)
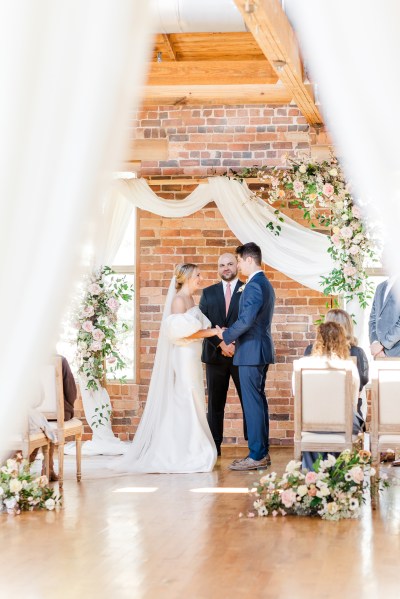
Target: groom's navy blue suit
(254, 351)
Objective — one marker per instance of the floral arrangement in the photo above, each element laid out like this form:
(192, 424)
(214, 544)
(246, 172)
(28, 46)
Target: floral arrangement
(319, 189)
(20, 491)
(97, 325)
(334, 490)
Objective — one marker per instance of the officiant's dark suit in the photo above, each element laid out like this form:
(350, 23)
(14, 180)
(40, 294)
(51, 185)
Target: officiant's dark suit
(219, 368)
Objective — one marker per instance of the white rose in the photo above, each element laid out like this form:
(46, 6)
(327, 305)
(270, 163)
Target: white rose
(339, 205)
(15, 485)
(1, 491)
(50, 504)
(302, 490)
(10, 503)
(333, 172)
(303, 168)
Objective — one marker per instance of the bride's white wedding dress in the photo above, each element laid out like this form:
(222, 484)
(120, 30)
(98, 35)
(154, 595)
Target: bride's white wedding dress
(173, 434)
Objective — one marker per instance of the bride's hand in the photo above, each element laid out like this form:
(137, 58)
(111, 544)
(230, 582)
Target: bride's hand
(219, 332)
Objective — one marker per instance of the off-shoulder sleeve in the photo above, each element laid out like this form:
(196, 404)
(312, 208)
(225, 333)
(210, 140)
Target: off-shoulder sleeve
(178, 326)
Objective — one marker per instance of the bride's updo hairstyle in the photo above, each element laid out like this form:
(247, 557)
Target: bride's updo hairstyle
(182, 273)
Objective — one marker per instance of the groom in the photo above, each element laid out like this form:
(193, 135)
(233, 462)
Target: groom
(254, 353)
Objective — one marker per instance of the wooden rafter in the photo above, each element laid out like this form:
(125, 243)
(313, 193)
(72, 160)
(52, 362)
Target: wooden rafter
(215, 94)
(271, 29)
(202, 72)
(169, 45)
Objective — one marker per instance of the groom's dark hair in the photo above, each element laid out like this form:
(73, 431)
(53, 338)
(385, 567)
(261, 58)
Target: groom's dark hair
(250, 249)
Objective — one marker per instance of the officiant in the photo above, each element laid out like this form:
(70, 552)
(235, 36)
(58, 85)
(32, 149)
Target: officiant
(220, 303)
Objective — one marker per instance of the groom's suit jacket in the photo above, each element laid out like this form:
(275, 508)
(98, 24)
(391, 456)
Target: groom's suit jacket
(384, 321)
(212, 304)
(252, 331)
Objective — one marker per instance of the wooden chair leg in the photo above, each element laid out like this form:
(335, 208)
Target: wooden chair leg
(374, 487)
(61, 465)
(78, 439)
(46, 460)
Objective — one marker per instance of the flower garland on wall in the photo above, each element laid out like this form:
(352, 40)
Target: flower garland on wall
(320, 191)
(98, 327)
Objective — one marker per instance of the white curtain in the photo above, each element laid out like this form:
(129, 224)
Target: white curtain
(352, 49)
(298, 252)
(114, 221)
(69, 74)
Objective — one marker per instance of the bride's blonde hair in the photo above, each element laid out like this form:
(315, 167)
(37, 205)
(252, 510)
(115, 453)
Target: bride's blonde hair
(182, 273)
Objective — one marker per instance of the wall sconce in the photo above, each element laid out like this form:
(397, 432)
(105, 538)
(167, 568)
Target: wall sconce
(279, 64)
(159, 56)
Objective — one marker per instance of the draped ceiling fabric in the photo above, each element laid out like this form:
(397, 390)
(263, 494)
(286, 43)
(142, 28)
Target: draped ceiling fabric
(64, 108)
(298, 252)
(352, 51)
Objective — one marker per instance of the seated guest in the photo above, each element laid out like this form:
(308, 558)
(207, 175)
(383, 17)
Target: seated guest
(342, 317)
(69, 388)
(330, 348)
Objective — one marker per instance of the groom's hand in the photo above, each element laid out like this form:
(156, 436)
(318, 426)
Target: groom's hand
(227, 350)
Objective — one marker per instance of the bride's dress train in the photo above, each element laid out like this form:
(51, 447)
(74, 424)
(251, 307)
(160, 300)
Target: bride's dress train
(173, 434)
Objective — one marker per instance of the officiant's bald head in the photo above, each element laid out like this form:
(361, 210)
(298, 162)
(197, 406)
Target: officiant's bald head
(227, 267)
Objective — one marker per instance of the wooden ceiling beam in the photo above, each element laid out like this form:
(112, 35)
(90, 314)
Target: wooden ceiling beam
(169, 45)
(215, 94)
(211, 72)
(271, 29)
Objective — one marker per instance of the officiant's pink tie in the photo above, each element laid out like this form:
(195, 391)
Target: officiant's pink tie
(228, 296)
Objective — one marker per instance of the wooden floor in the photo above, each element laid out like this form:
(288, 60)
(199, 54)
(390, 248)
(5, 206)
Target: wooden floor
(179, 536)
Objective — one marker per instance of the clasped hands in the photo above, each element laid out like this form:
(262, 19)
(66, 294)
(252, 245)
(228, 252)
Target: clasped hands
(377, 350)
(226, 350)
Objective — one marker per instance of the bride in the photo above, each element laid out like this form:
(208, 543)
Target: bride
(173, 434)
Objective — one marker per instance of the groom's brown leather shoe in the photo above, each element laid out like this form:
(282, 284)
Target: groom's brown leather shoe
(267, 457)
(249, 464)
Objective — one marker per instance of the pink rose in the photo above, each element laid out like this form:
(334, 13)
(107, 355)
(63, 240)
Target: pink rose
(335, 240)
(94, 289)
(98, 335)
(356, 212)
(354, 250)
(96, 346)
(87, 326)
(311, 477)
(88, 311)
(349, 271)
(298, 186)
(357, 474)
(328, 189)
(288, 498)
(113, 304)
(346, 232)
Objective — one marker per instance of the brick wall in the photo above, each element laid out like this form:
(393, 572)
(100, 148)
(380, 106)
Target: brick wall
(203, 141)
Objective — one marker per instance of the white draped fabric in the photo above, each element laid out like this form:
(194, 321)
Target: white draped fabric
(352, 50)
(298, 252)
(103, 441)
(63, 112)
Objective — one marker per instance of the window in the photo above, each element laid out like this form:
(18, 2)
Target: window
(376, 276)
(124, 264)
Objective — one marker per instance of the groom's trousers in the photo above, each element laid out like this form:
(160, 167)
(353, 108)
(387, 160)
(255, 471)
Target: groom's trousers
(255, 405)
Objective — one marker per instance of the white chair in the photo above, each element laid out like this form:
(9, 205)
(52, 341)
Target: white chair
(53, 408)
(385, 400)
(323, 406)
